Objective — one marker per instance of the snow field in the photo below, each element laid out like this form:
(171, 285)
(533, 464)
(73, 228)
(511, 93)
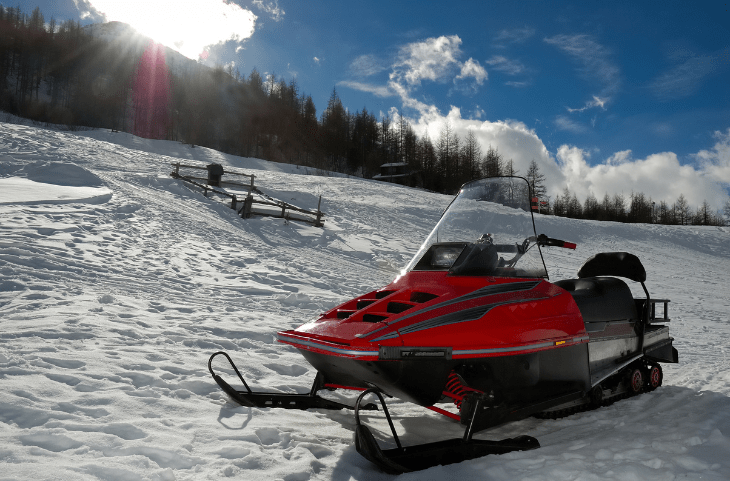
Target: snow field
(117, 282)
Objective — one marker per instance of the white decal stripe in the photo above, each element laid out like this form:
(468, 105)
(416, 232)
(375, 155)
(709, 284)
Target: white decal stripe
(499, 350)
(316, 345)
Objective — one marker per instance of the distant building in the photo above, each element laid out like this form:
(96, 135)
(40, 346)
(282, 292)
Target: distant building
(398, 173)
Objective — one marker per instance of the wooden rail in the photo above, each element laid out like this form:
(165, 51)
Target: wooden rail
(179, 165)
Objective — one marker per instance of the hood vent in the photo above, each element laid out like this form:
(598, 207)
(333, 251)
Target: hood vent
(382, 294)
(421, 297)
(373, 318)
(398, 307)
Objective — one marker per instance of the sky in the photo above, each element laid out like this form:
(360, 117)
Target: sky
(607, 97)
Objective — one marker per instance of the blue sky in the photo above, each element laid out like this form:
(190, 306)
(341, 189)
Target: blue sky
(606, 96)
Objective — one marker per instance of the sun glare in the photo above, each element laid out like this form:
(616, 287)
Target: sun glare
(187, 26)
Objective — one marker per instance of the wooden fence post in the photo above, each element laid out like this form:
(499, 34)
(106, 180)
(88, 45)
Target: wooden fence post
(247, 207)
(318, 223)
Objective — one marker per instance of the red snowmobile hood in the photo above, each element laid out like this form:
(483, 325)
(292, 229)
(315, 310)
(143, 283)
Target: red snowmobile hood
(432, 309)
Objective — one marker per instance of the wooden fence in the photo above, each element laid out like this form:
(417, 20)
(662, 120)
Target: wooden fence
(248, 205)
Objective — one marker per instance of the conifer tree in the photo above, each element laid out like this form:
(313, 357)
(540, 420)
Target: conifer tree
(536, 180)
(681, 209)
(492, 164)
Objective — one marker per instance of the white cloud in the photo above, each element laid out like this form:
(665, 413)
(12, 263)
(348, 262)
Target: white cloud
(432, 59)
(685, 78)
(594, 58)
(564, 123)
(594, 102)
(185, 25)
(513, 139)
(619, 158)
(716, 162)
(270, 7)
(472, 68)
(366, 65)
(514, 36)
(660, 176)
(317, 60)
(505, 65)
(377, 90)
(517, 84)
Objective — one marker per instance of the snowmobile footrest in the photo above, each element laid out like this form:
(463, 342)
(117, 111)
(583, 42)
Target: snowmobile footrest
(277, 400)
(414, 458)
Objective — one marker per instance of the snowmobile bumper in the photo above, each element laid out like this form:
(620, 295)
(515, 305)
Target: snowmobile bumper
(250, 398)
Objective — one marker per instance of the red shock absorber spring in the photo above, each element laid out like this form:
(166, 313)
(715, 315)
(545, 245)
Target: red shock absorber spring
(456, 390)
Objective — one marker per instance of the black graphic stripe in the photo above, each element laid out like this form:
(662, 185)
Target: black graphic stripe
(479, 293)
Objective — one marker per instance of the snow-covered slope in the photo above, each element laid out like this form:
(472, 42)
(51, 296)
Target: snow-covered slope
(117, 282)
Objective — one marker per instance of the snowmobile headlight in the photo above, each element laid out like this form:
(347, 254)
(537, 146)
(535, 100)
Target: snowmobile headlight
(445, 256)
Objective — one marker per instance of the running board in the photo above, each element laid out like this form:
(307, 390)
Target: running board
(422, 456)
(278, 400)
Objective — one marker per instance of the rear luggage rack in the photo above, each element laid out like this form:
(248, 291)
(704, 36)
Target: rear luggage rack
(652, 318)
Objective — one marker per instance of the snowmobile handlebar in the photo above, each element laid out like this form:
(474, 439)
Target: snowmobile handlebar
(544, 240)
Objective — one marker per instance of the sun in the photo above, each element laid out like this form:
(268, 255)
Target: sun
(187, 26)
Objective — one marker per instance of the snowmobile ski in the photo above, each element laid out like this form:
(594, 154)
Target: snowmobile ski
(422, 456)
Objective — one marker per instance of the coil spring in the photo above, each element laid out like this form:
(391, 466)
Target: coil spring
(457, 389)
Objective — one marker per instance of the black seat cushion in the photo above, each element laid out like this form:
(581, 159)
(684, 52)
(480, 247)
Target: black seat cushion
(601, 299)
(620, 264)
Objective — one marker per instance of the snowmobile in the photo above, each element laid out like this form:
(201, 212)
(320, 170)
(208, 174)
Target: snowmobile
(473, 320)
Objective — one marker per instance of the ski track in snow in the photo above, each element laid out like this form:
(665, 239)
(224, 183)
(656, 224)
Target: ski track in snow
(111, 306)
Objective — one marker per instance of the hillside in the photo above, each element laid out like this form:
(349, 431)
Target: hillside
(117, 282)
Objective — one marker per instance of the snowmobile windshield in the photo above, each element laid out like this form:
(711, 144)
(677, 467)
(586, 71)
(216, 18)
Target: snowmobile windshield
(487, 230)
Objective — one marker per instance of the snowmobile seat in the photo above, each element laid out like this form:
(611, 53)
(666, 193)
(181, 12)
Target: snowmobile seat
(601, 299)
(621, 264)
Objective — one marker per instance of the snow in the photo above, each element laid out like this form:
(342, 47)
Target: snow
(118, 282)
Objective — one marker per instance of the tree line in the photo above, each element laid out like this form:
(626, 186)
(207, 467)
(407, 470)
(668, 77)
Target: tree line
(62, 74)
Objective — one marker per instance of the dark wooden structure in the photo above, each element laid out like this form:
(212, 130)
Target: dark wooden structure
(249, 205)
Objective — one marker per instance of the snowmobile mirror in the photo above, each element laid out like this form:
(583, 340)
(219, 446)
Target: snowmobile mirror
(544, 240)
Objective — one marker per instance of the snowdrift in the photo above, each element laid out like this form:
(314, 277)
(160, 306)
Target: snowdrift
(117, 282)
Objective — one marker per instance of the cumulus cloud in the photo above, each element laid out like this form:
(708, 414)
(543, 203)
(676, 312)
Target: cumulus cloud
(472, 69)
(435, 59)
(270, 7)
(716, 162)
(471, 77)
(513, 139)
(186, 25)
(660, 176)
(432, 59)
